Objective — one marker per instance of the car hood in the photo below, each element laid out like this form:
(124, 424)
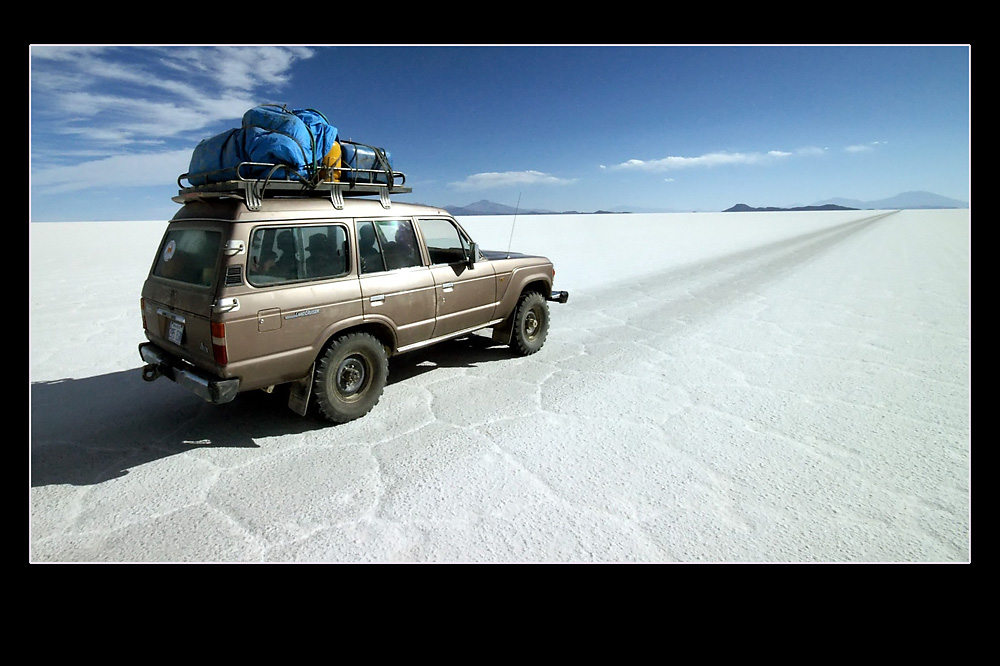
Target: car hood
(503, 254)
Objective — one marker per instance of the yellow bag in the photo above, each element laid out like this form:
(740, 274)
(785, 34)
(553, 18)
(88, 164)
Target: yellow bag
(330, 166)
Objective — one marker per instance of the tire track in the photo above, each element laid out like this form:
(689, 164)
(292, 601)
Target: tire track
(669, 301)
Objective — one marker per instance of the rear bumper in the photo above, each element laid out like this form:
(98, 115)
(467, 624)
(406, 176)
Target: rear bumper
(160, 363)
(559, 296)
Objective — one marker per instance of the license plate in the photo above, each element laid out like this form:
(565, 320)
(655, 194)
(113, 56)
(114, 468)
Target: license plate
(175, 332)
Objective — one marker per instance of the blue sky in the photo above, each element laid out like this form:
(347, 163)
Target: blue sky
(670, 128)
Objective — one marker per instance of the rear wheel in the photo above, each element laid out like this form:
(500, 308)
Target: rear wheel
(531, 323)
(350, 377)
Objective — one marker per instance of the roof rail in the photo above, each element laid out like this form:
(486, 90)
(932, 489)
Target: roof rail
(335, 182)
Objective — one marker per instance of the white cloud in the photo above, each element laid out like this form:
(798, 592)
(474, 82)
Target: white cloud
(715, 159)
(115, 171)
(864, 147)
(237, 68)
(120, 120)
(509, 178)
(115, 98)
(67, 52)
(707, 160)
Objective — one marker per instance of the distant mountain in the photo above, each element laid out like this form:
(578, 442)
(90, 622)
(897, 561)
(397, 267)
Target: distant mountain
(904, 201)
(484, 207)
(743, 208)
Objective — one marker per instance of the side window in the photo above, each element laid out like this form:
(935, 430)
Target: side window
(369, 249)
(326, 252)
(289, 254)
(386, 245)
(445, 243)
(400, 243)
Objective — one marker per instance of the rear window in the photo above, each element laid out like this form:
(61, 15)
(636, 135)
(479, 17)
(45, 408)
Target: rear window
(189, 255)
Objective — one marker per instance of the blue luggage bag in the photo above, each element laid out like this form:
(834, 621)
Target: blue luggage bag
(300, 139)
(368, 158)
(297, 140)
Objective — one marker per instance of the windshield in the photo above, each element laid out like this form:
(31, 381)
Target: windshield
(189, 255)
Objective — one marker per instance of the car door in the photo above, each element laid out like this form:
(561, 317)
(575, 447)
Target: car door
(465, 295)
(396, 286)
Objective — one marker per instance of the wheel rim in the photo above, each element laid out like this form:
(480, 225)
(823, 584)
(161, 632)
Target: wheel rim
(532, 324)
(352, 376)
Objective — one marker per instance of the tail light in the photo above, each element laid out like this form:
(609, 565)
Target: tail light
(219, 350)
(142, 309)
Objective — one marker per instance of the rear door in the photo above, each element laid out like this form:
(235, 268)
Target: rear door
(466, 297)
(181, 288)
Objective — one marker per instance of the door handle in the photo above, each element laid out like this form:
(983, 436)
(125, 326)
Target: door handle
(448, 286)
(226, 305)
(377, 300)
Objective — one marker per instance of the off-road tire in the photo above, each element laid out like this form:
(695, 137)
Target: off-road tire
(531, 323)
(350, 376)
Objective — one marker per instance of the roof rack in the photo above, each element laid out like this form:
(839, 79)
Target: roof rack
(335, 182)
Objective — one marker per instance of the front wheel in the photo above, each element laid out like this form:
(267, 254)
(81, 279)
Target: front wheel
(531, 323)
(350, 377)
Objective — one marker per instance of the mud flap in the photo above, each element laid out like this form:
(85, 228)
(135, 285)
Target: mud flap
(300, 392)
(503, 330)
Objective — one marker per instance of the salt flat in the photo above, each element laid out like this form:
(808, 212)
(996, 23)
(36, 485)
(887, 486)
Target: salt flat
(740, 387)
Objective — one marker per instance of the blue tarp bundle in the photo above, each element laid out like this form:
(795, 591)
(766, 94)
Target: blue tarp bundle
(299, 139)
(215, 159)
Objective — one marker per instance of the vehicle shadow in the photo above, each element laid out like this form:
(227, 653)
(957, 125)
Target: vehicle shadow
(86, 431)
(91, 430)
(466, 352)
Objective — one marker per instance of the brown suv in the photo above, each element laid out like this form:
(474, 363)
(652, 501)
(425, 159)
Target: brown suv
(316, 292)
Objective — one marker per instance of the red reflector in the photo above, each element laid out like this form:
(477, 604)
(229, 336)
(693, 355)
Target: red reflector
(219, 350)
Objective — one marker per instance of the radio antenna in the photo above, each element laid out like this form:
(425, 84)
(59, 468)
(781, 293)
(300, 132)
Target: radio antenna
(511, 239)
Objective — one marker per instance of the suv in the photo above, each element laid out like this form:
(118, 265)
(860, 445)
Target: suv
(318, 292)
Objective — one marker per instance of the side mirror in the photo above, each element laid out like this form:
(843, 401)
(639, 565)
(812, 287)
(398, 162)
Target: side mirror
(473, 253)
